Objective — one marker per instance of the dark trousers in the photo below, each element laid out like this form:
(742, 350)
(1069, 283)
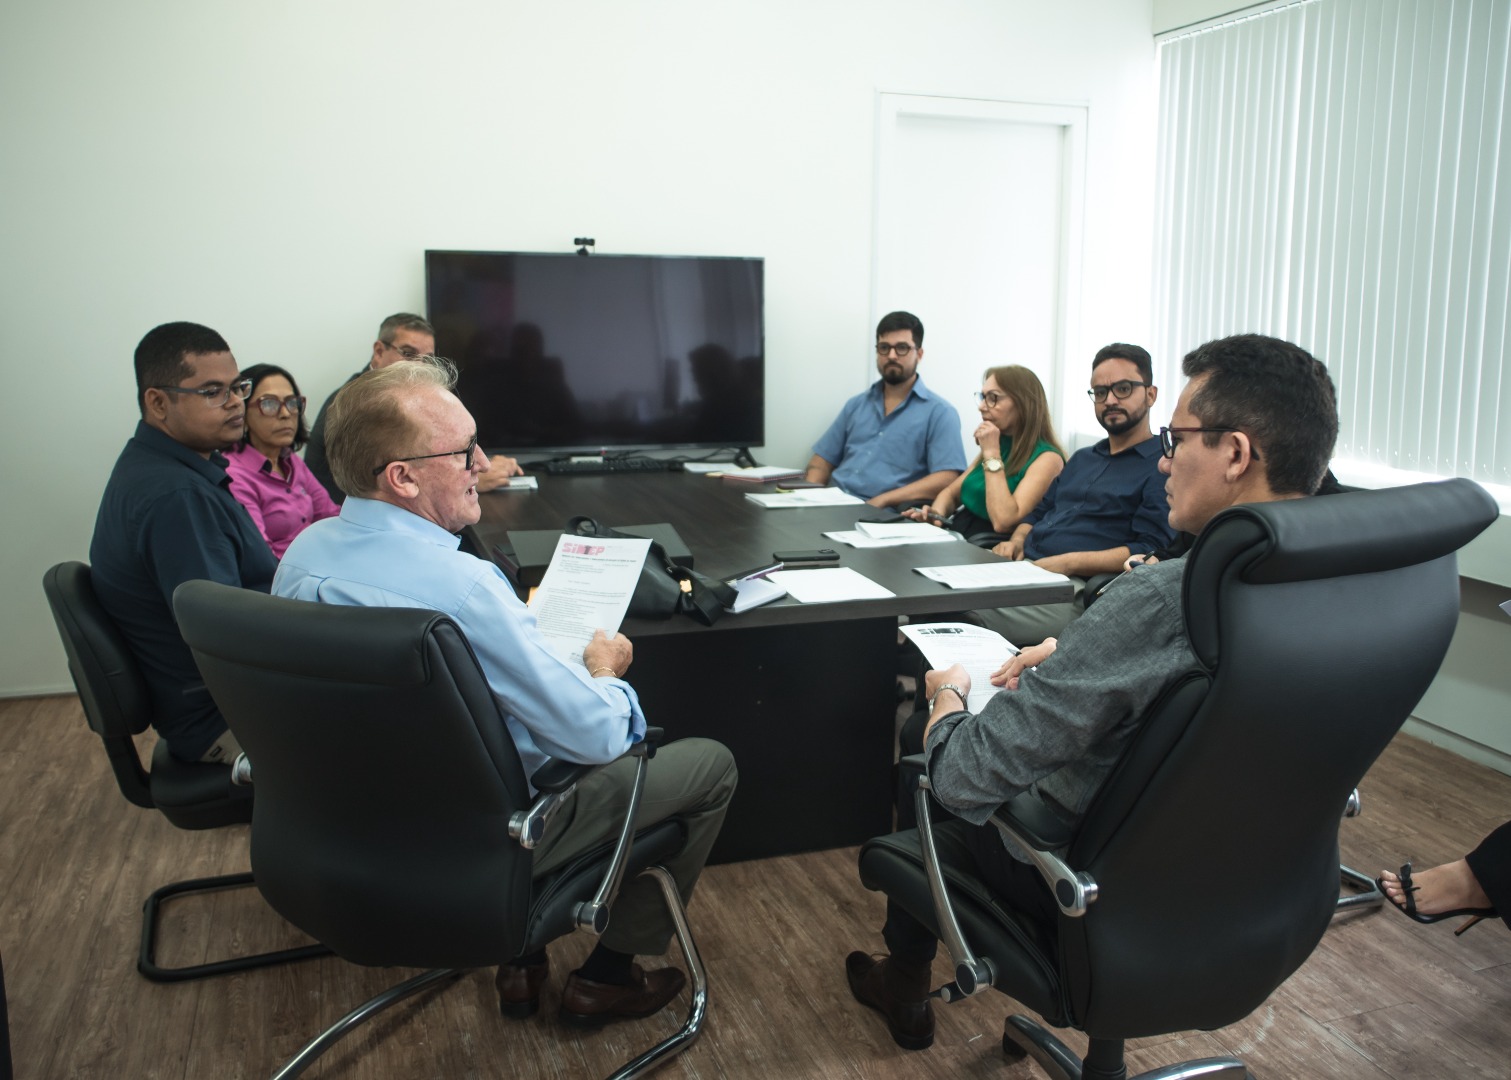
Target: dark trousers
(1491, 865)
(1016, 882)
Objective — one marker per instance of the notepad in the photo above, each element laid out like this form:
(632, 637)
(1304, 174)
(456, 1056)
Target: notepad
(993, 575)
(787, 500)
(829, 586)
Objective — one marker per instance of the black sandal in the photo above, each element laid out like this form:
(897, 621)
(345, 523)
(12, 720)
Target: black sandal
(1410, 908)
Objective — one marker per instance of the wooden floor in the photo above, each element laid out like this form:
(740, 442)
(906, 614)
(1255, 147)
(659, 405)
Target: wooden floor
(1382, 997)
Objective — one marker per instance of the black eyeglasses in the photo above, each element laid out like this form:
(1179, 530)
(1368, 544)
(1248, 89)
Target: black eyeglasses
(902, 349)
(215, 396)
(1120, 390)
(991, 397)
(408, 352)
(465, 452)
(1168, 443)
(269, 405)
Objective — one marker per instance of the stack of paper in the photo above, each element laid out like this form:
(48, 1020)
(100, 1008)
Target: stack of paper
(806, 497)
(869, 534)
(829, 586)
(991, 575)
(763, 473)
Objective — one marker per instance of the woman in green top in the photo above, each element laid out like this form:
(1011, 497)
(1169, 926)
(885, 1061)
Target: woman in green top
(1019, 459)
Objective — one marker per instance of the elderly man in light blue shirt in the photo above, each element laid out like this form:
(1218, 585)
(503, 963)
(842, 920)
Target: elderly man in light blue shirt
(404, 449)
(896, 443)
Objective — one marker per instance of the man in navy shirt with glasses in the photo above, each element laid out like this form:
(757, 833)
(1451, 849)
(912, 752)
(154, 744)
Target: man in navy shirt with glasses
(1107, 503)
(168, 516)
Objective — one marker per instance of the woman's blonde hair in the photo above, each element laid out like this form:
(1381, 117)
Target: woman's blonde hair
(1032, 408)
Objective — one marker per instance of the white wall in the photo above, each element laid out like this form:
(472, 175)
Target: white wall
(276, 170)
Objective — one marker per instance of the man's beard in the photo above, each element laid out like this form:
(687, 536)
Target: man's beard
(894, 375)
(1128, 422)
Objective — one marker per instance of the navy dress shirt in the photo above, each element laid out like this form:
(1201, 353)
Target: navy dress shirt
(168, 516)
(1103, 500)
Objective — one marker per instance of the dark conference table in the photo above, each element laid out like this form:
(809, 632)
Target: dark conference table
(802, 694)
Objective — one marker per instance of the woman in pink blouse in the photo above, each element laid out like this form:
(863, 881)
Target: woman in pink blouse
(267, 477)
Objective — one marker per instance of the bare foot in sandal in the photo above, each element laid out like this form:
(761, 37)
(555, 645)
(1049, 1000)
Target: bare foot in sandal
(1450, 887)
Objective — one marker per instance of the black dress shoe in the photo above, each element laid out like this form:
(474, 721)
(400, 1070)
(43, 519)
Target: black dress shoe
(519, 988)
(902, 1002)
(586, 1003)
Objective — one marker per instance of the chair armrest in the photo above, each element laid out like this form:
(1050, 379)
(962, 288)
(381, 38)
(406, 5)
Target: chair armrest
(1027, 822)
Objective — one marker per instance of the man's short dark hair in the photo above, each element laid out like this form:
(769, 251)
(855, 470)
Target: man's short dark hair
(1276, 393)
(901, 320)
(1134, 354)
(389, 328)
(162, 356)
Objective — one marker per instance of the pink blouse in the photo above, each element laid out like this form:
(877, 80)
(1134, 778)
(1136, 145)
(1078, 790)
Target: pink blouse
(281, 506)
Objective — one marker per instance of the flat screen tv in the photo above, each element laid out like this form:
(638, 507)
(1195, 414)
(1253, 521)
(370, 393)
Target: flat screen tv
(572, 353)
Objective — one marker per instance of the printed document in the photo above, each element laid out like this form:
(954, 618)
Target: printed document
(918, 532)
(979, 650)
(830, 496)
(829, 586)
(587, 587)
(992, 575)
(858, 539)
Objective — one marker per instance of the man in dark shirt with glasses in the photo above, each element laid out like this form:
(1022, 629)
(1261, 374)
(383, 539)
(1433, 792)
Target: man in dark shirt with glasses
(1107, 503)
(168, 516)
(404, 336)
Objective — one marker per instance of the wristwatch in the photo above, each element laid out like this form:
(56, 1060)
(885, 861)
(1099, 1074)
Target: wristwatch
(992, 464)
(948, 686)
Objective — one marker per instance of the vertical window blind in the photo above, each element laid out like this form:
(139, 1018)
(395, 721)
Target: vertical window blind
(1331, 172)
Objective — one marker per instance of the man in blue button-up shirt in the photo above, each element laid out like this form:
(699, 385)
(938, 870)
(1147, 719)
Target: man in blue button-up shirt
(1107, 503)
(404, 449)
(168, 516)
(896, 443)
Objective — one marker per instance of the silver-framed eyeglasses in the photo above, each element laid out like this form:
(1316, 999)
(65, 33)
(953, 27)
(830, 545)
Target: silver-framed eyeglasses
(269, 405)
(1168, 441)
(990, 398)
(214, 395)
(465, 453)
(408, 352)
(902, 349)
(1121, 390)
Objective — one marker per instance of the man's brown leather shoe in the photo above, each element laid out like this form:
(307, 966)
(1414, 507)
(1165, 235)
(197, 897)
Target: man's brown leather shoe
(902, 1002)
(519, 988)
(593, 1004)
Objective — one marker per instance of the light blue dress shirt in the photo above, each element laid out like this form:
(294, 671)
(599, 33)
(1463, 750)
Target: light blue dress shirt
(873, 452)
(378, 555)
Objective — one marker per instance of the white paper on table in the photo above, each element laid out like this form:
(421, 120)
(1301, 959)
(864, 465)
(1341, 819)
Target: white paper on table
(786, 500)
(764, 472)
(587, 587)
(858, 539)
(992, 575)
(979, 650)
(829, 585)
(519, 483)
(920, 532)
(704, 466)
(1506, 607)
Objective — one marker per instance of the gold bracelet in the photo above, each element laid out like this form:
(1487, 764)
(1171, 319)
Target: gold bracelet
(596, 670)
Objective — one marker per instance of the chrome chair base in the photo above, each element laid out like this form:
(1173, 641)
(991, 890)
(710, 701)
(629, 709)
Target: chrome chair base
(657, 1055)
(1022, 1036)
(1370, 897)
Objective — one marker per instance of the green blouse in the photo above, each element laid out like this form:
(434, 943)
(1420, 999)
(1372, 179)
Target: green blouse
(973, 489)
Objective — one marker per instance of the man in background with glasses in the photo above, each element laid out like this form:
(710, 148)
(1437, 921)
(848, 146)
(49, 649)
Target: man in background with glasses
(896, 443)
(404, 336)
(168, 516)
(1107, 503)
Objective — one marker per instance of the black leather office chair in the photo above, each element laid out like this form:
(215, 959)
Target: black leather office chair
(189, 794)
(1206, 869)
(393, 821)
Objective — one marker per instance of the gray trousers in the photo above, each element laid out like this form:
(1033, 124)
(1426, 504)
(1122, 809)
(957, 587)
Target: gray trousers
(690, 779)
(1031, 624)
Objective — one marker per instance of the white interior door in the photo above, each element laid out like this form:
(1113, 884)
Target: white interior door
(977, 229)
